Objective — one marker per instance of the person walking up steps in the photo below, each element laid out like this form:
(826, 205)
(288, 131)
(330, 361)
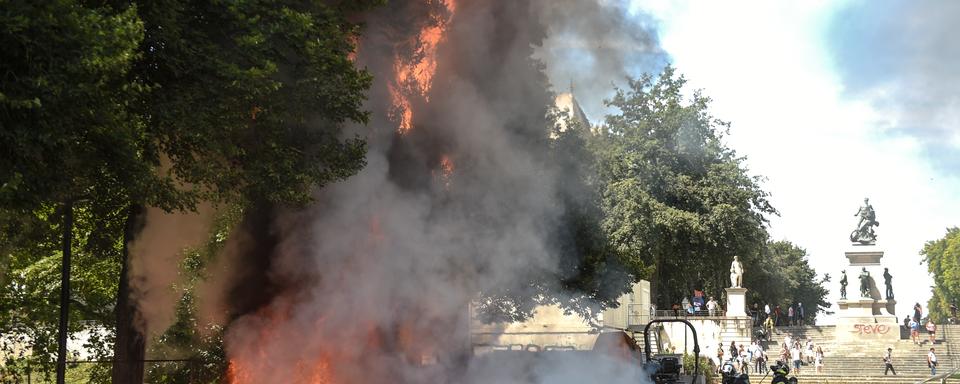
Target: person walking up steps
(818, 360)
(795, 355)
(931, 330)
(915, 331)
(719, 356)
(932, 362)
(888, 362)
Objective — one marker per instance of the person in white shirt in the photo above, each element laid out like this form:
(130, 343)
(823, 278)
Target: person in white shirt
(795, 356)
(760, 359)
(932, 362)
(818, 360)
(712, 307)
(888, 362)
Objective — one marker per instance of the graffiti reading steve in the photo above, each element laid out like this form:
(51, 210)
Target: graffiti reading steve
(867, 329)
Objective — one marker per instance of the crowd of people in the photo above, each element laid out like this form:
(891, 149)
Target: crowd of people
(799, 355)
(698, 305)
(794, 315)
(755, 358)
(701, 305)
(913, 324)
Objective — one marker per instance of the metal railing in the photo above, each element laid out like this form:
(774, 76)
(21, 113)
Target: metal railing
(942, 377)
(681, 314)
(192, 371)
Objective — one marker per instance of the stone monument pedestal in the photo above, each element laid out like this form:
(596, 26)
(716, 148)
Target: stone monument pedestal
(864, 255)
(861, 307)
(736, 302)
(872, 332)
(869, 322)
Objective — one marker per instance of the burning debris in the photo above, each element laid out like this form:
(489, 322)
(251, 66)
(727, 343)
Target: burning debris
(459, 198)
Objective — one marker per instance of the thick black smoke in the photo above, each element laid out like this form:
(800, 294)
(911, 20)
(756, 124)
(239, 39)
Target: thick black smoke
(381, 270)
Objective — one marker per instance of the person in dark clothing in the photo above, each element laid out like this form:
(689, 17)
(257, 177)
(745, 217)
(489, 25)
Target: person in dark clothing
(917, 311)
(888, 362)
(800, 314)
(776, 316)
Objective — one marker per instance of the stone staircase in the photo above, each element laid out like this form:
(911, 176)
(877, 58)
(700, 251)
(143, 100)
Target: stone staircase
(864, 364)
(821, 335)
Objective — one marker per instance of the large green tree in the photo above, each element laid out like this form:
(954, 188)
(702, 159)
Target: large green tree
(69, 140)
(943, 261)
(784, 277)
(110, 107)
(678, 203)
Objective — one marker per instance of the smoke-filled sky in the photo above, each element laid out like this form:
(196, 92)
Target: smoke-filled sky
(834, 102)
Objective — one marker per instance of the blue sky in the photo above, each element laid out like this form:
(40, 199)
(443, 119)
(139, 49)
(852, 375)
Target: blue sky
(831, 102)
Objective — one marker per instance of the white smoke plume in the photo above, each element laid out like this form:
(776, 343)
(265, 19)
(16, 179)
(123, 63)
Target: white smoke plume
(593, 45)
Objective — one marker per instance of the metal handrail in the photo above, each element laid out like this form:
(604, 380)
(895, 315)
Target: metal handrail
(942, 377)
(696, 344)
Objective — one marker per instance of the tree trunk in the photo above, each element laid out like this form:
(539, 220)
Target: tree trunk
(64, 292)
(130, 347)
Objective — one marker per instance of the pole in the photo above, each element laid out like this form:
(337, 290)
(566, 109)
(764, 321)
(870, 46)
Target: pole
(64, 293)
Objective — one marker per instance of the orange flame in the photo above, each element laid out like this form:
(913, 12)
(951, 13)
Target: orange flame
(414, 75)
(355, 42)
(446, 170)
(252, 369)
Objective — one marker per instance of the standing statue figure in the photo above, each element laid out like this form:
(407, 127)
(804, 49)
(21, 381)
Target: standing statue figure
(843, 285)
(887, 277)
(865, 283)
(864, 233)
(736, 273)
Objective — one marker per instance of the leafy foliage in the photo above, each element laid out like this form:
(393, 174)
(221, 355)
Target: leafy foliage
(678, 203)
(943, 261)
(30, 294)
(594, 270)
(67, 134)
(247, 98)
(784, 277)
(115, 104)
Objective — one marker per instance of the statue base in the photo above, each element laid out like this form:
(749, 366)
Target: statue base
(864, 255)
(860, 307)
(867, 323)
(868, 333)
(736, 301)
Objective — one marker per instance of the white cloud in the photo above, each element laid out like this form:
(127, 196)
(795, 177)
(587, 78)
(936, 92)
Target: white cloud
(766, 68)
